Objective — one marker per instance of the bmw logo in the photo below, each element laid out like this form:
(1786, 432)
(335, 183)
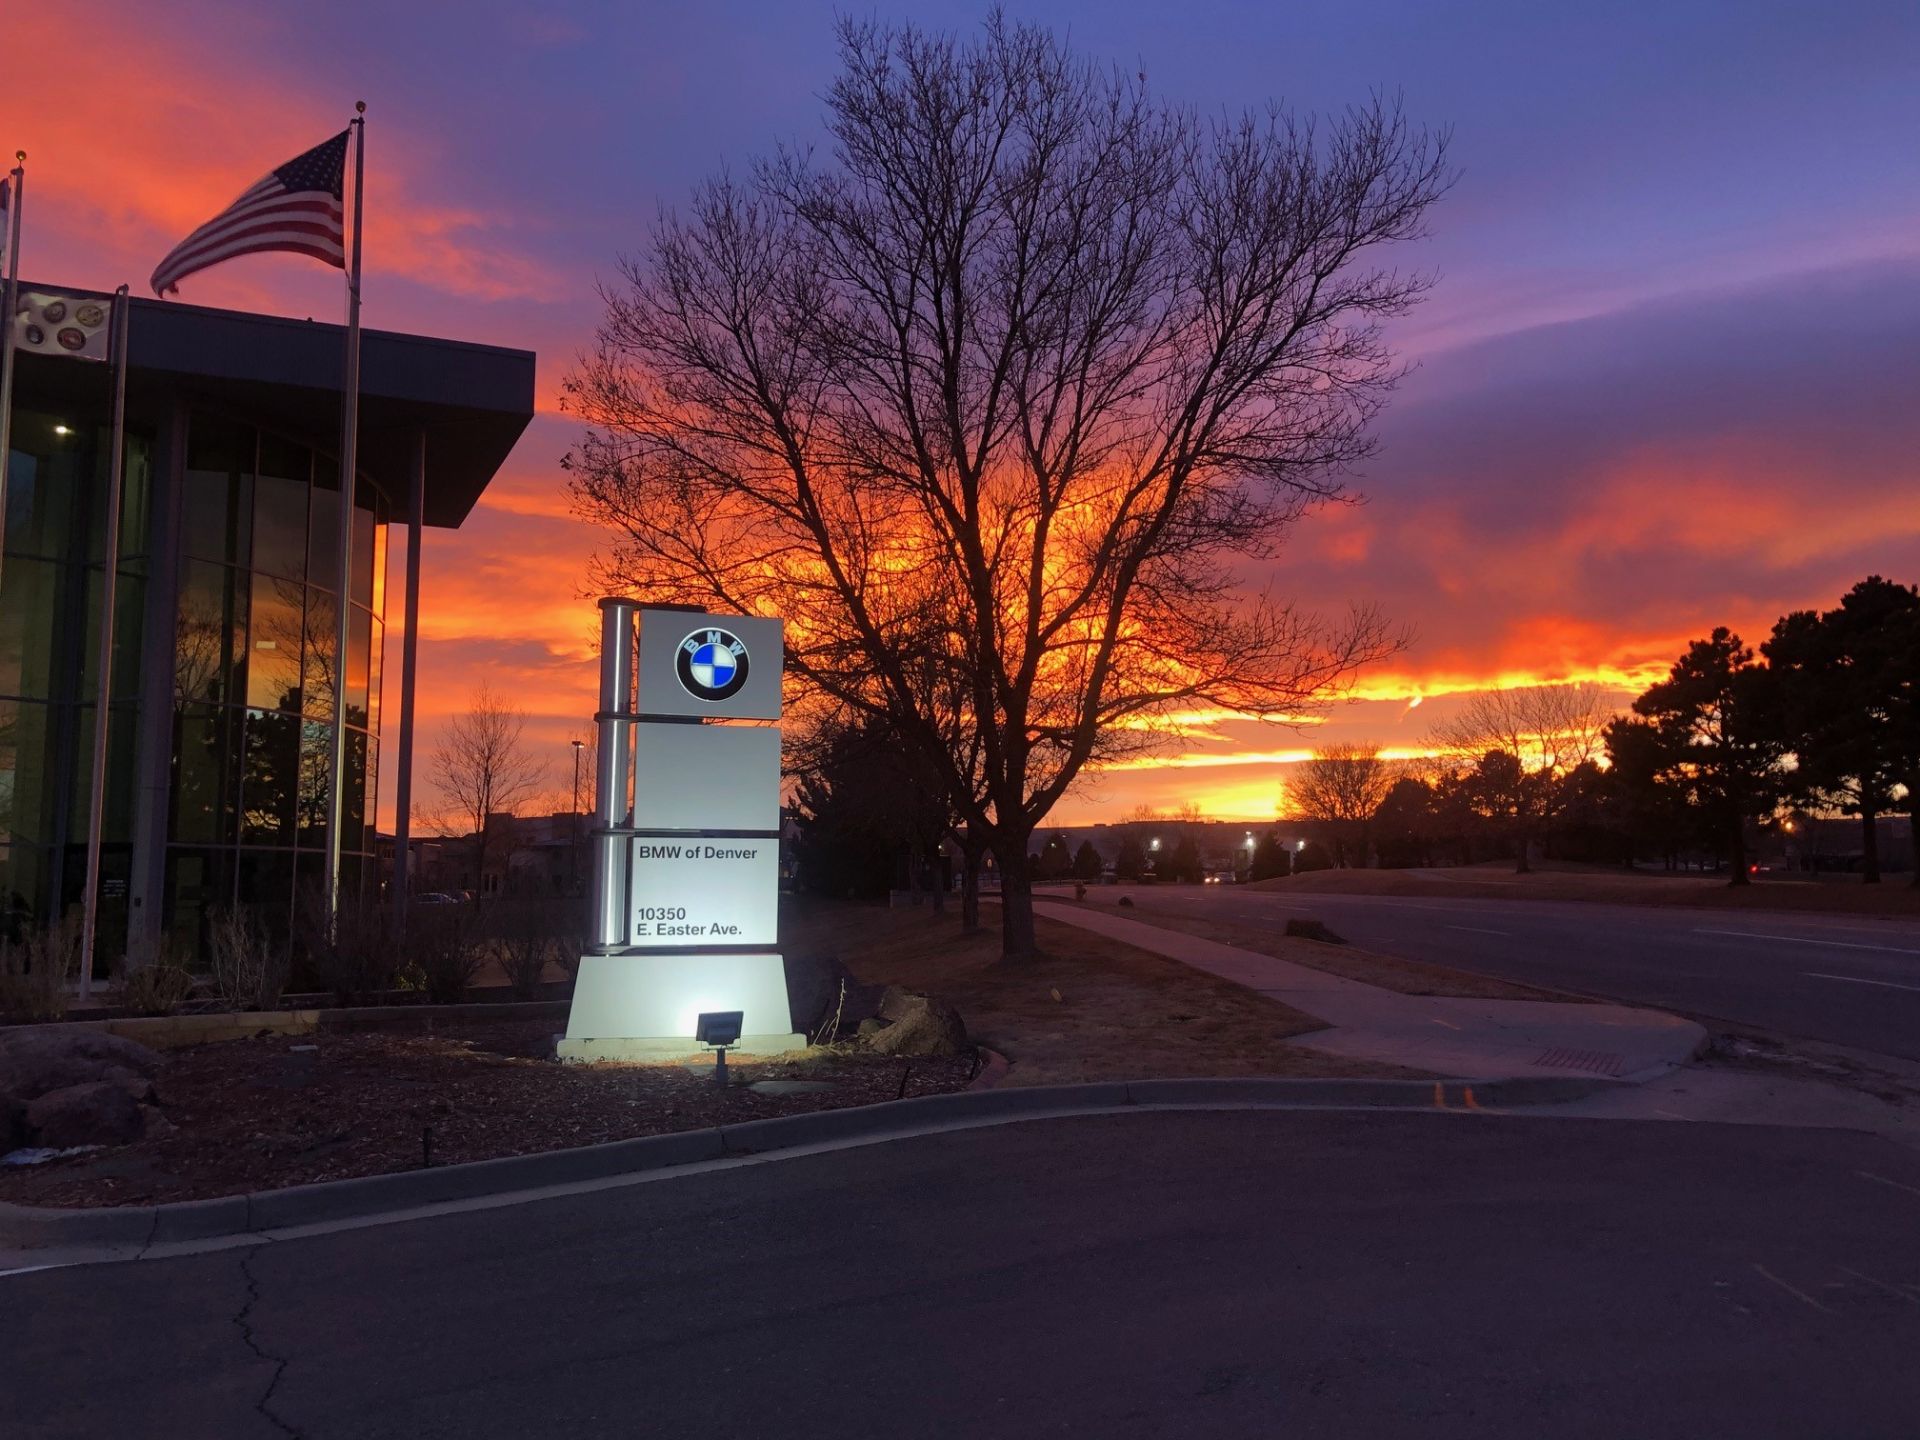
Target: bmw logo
(712, 664)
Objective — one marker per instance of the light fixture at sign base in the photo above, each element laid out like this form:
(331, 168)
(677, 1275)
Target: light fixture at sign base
(719, 1028)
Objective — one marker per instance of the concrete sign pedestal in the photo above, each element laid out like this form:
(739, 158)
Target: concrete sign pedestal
(686, 881)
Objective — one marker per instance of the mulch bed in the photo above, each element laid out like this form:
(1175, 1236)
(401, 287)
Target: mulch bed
(274, 1111)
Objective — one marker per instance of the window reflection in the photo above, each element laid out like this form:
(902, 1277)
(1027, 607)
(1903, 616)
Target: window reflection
(317, 656)
(210, 636)
(271, 777)
(280, 509)
(275, 634)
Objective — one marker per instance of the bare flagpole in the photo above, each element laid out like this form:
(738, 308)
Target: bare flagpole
(343, 604)
(7, 307)
(103, 690)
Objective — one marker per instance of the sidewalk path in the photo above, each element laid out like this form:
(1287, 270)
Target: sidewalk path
(1466, 1039)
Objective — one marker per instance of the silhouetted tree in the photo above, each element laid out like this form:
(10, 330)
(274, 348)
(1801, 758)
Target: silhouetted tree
(1405, 824)
(1086, 862)
(1029, 366)
(1710, 735)
(1543, 732)
(1183, 862)
(1337, 792)
(1131, 861)
(1843, 677)
(1270, 858)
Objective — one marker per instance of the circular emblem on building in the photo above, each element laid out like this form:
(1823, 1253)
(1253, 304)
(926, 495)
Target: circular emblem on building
(712, 664)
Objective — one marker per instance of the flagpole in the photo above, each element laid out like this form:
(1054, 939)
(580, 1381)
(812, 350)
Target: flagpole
(349, 439)
(7, 308)
(103, 690)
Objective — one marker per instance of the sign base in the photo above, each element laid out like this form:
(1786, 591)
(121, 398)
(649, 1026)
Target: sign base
(647, 1006)
(661, 1052)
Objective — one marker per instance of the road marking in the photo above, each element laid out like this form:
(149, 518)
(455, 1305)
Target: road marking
(1857, 980)
(1476, 930)
(1869, 1175)
(1892, 1290)
(1809, 940)
(1797, 1294)
(1671, 1114)
(1448, 1023)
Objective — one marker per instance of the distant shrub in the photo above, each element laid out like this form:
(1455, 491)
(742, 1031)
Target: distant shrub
(157, 989)
(248, 964)
(36, 970)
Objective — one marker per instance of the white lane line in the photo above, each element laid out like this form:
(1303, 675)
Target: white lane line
(1892, 1290)
(1797, 1294)
(1869, 1175)
(1476, 930)
(1809, 940)
(1857, 980)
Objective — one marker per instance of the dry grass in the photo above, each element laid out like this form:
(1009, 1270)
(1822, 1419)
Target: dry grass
(1498, 882)
(1090, 1009)
(1407, 977)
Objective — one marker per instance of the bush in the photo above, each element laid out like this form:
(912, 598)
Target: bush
(35, 972)
(441, 953)
(249, 968)
(523, 956)
(157, 989)
(355, 956)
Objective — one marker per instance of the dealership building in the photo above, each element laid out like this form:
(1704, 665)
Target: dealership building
(224, 655)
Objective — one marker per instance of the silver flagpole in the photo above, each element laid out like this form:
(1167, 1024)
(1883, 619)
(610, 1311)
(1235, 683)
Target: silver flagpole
(12, 295)
(349, 437)
(109, 586)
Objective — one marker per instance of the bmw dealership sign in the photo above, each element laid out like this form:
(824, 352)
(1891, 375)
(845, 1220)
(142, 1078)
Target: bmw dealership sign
(686, 881)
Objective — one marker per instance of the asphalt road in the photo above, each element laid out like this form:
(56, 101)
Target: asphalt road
(1843, 979)
(1231, 1274)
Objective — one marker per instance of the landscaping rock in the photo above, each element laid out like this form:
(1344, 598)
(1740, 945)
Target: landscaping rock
(100, 1113)
(1303, 929)
(917, 1025)
(38, 1061)
(814, 993)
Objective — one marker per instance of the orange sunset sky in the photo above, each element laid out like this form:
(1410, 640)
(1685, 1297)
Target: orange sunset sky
(1669, 376)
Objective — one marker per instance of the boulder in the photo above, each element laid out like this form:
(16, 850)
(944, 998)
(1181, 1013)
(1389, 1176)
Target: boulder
(814, 993)
(100, 1113)
(916, 1025)
(35, 1061)
(13, 1123)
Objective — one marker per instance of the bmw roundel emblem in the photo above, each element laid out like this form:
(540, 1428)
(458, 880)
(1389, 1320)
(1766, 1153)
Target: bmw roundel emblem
(712, 664)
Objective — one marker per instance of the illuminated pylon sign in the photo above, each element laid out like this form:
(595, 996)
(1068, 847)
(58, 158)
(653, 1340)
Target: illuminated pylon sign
(686, 859)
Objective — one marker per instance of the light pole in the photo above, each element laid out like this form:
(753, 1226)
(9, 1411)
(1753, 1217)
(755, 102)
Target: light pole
(573, 819)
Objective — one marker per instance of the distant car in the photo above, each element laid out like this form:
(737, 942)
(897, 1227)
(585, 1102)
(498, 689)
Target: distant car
(436, 897)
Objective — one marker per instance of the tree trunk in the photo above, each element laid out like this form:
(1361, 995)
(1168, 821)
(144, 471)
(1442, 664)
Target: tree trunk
(936, 881)
(970, 851)
(1869, 846)
(1913, 823)
(1016, 901)
(1737, 849)
(1520, 863)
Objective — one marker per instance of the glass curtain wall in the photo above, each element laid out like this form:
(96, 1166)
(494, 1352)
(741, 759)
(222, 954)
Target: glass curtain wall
(51, 581)
(255, 667)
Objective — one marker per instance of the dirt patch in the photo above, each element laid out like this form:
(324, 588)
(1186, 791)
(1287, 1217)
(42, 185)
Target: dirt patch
(1089, 1009)
(1407, 977)
(1893, 899)
(263, 1113)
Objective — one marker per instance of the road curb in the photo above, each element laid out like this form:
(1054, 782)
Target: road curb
(29, 1227)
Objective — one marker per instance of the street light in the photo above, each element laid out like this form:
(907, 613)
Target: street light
(573, 818)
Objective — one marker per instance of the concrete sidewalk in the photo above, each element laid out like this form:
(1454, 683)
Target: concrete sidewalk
(1475, 1039)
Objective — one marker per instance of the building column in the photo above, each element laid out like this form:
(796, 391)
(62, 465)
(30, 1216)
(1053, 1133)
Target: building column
(403, 784)
(153, 740)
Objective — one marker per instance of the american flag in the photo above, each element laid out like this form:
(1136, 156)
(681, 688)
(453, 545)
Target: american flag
(296, 207)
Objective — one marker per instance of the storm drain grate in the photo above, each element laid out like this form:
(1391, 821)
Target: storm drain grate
(1600, 1062)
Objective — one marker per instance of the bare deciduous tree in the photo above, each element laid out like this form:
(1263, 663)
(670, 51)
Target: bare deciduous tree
(1545, 731)
(1338, 791)
(1021, 377)
(482, 768)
